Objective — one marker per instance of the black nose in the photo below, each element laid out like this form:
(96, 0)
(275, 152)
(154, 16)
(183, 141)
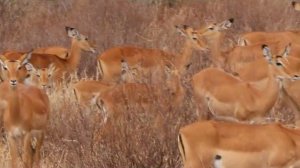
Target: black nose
(231, 20)
(218, 157)
(13, 82)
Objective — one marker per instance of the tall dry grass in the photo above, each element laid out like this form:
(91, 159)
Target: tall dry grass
(76, 137)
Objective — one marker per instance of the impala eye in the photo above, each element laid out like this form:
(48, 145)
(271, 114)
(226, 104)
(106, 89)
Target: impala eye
(38, 75)
(49, 75)
(5, 68)
(211, 28)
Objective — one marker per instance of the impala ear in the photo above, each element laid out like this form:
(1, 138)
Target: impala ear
(52, 68)
(72, 32)
(181, 29)
(25, 58)
(226, 24)
(287, 50)
(2, 59)
(267, 53)
(29, 67)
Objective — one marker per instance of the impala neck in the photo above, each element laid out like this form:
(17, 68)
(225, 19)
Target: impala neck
(13, 103)
(183, 59)
(75, 55)
(270, 92)
(215, 48)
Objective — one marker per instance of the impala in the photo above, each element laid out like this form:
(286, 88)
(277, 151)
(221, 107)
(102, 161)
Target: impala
(234, 145)
(233, 57)
(122, 95)
(79, 42)
(151, 60)
(63, 66)
(229, 96)
(87, 92)
(41, 77)
(296, 5)
(26, 113)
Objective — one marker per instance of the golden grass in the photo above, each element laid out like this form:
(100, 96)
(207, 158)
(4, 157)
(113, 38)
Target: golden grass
(76, 137)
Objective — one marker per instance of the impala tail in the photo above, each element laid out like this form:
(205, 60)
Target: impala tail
(99, 69)
(181, 148)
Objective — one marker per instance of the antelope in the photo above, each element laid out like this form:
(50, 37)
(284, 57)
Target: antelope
(229, 96)
(151, 60)
(296, 5)
(233, 57)
(79, 42)
(41, 77)
(26, 113)
(63, 66)
(234, 145)
(141, 94)
(87, 92)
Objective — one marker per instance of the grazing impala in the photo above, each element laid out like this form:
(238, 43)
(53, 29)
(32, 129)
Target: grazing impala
(140, 94)
(26, 112)
(296, 5)
(229, 96)
(86, 92)
(234, 145)
(152, 60)
(79, 42)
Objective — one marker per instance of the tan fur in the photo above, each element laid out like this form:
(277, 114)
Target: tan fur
(139, 94)
(227, 95)
(286, 37)
(26, 114)
(41, 77)
(63, 66)
(239, 145)
(152, 61)
(86, 91)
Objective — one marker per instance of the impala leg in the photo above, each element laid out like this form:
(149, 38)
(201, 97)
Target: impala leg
(13, 150)
(27, 151)
(37, 143)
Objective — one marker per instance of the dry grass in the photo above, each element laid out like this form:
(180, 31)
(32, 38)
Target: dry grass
(76, 137)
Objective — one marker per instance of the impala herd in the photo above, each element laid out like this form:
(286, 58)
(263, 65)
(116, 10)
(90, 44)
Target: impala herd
(239, 90)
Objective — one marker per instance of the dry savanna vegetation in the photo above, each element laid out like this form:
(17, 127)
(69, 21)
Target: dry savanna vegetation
(77, 136)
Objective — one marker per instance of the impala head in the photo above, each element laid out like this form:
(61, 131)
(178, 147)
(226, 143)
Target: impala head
(81, 40)
(296, 5)
(278, 61)
(42, 77)
(188, 33)
(130, 74)
(213, 29)
(11, 68)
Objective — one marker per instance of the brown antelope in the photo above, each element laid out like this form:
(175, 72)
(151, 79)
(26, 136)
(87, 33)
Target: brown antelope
(151, 60)
(79, 42)
(41, 77)
(234, 145)
(229, 96)
(264, 37)
(87, 92)
(232, 58)
(141, 94)
(26, 113)
(296, 5)
(63, 66)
